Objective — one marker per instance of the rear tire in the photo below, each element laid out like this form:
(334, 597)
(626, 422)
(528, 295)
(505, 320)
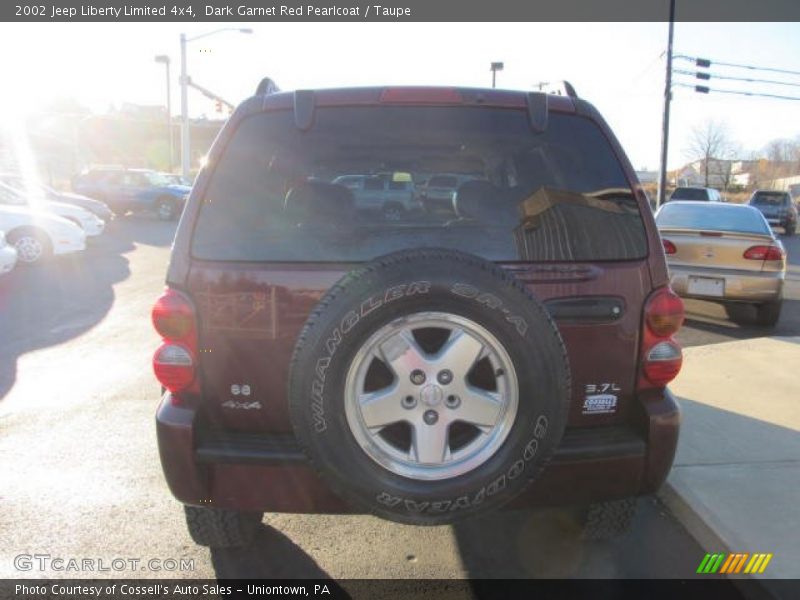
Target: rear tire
(609, 520)
(767, 314)
(220, 528)
(790, 230)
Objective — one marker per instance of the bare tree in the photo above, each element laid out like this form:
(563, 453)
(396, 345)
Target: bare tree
(710, 142)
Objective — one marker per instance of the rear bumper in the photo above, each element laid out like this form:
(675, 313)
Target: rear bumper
(271, 474)
(740, 286)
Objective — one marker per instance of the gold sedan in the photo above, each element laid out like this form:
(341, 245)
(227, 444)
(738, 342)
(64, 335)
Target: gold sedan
(726, 253)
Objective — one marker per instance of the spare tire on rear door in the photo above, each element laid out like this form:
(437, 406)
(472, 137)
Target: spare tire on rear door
(429, 386)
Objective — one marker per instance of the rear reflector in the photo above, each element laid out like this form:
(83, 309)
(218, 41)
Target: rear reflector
(669, 247)
(421, 95)
(764, 253)
(173, 365)
(663, 363)
(664, 312)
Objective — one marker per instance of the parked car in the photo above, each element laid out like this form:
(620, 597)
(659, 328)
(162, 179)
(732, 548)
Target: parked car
(133, 190)
(37, 235)
(391, 198)
(90, 224)
(97, 208)
(696, 194)
(439, 192)
(726, 253)
(8, 255)
(424, 371)
(777, 208)
(178, 179)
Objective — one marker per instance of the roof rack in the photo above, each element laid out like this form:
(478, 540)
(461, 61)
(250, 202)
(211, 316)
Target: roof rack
(558, 88)
(266, 87)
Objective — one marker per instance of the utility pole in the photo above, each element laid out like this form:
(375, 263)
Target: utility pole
(185, 162)
(662, 176)
(164, 59)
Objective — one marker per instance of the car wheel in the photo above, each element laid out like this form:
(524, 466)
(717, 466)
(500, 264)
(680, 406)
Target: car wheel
(767, 314)
(789, 230)
(609, 520)
(220, 528)
(429, 386)
(32, 246)
(165, 209)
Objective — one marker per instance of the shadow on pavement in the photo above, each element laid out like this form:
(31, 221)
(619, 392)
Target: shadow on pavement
(547, 543)
(272, 555)
(49, 304)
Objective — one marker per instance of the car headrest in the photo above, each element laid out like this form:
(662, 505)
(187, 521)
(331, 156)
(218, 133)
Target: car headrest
(481, 201)
(320, 203)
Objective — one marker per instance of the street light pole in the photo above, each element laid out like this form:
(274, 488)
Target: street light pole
(662, 175)
(185, 162)
(495, 67)
(163, 58)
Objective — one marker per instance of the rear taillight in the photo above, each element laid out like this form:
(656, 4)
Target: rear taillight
(173, 365)
(663, 312)
(669, 247)
(173, 316)
(661, 356)
(175, 361)
(764, 253)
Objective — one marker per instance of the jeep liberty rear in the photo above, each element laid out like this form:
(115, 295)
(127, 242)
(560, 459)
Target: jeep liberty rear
(512, 347)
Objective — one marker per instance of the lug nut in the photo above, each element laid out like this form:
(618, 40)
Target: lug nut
(430, 417)
(445, 377)
(417, 377)
(452, 401)
(408, 402)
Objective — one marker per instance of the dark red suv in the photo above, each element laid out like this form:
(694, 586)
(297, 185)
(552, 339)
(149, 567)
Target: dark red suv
(511, 347)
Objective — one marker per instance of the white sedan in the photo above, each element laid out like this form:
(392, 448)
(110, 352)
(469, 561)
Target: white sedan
(8, 255)
(90, 224)
(37, 234)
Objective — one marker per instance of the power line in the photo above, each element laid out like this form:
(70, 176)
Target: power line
(706, 76)
(706, 63)
(705, 90)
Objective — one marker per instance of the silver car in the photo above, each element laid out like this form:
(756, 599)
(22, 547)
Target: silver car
(725, 253)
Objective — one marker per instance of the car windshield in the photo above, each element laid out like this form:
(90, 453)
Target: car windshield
(741, 219)
(520, 195)
(689, 194)
(768, 199)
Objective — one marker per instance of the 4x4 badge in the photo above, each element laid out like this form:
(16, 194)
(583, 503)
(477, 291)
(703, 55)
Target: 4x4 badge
(255, 405)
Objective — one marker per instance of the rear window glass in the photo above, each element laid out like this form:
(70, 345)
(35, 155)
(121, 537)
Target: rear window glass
(276, 194)
(689, 194)
(711, 218)
(768, 199)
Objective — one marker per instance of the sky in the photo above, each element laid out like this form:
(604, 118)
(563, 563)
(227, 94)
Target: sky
(618, 67)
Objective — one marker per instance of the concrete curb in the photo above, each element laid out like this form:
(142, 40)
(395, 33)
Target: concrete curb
(750, 586)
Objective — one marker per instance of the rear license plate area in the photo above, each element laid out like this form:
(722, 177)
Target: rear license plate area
(706, 286)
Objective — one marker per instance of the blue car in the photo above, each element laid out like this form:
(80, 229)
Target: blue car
(133, 190)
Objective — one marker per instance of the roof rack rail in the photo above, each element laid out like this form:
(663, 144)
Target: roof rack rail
(266, 87)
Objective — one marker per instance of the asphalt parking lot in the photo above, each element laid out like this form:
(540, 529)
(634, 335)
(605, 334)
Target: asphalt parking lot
(81, 476)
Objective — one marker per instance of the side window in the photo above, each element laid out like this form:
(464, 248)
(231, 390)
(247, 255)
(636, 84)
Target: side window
(374, 184)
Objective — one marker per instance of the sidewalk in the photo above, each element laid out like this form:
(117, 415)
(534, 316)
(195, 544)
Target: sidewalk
(735, 483)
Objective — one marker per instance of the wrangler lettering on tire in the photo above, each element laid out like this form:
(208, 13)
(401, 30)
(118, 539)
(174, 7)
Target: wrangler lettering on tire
(429, 386)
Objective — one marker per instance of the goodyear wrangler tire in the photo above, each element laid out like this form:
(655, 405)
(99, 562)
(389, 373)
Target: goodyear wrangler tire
(429, 386)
